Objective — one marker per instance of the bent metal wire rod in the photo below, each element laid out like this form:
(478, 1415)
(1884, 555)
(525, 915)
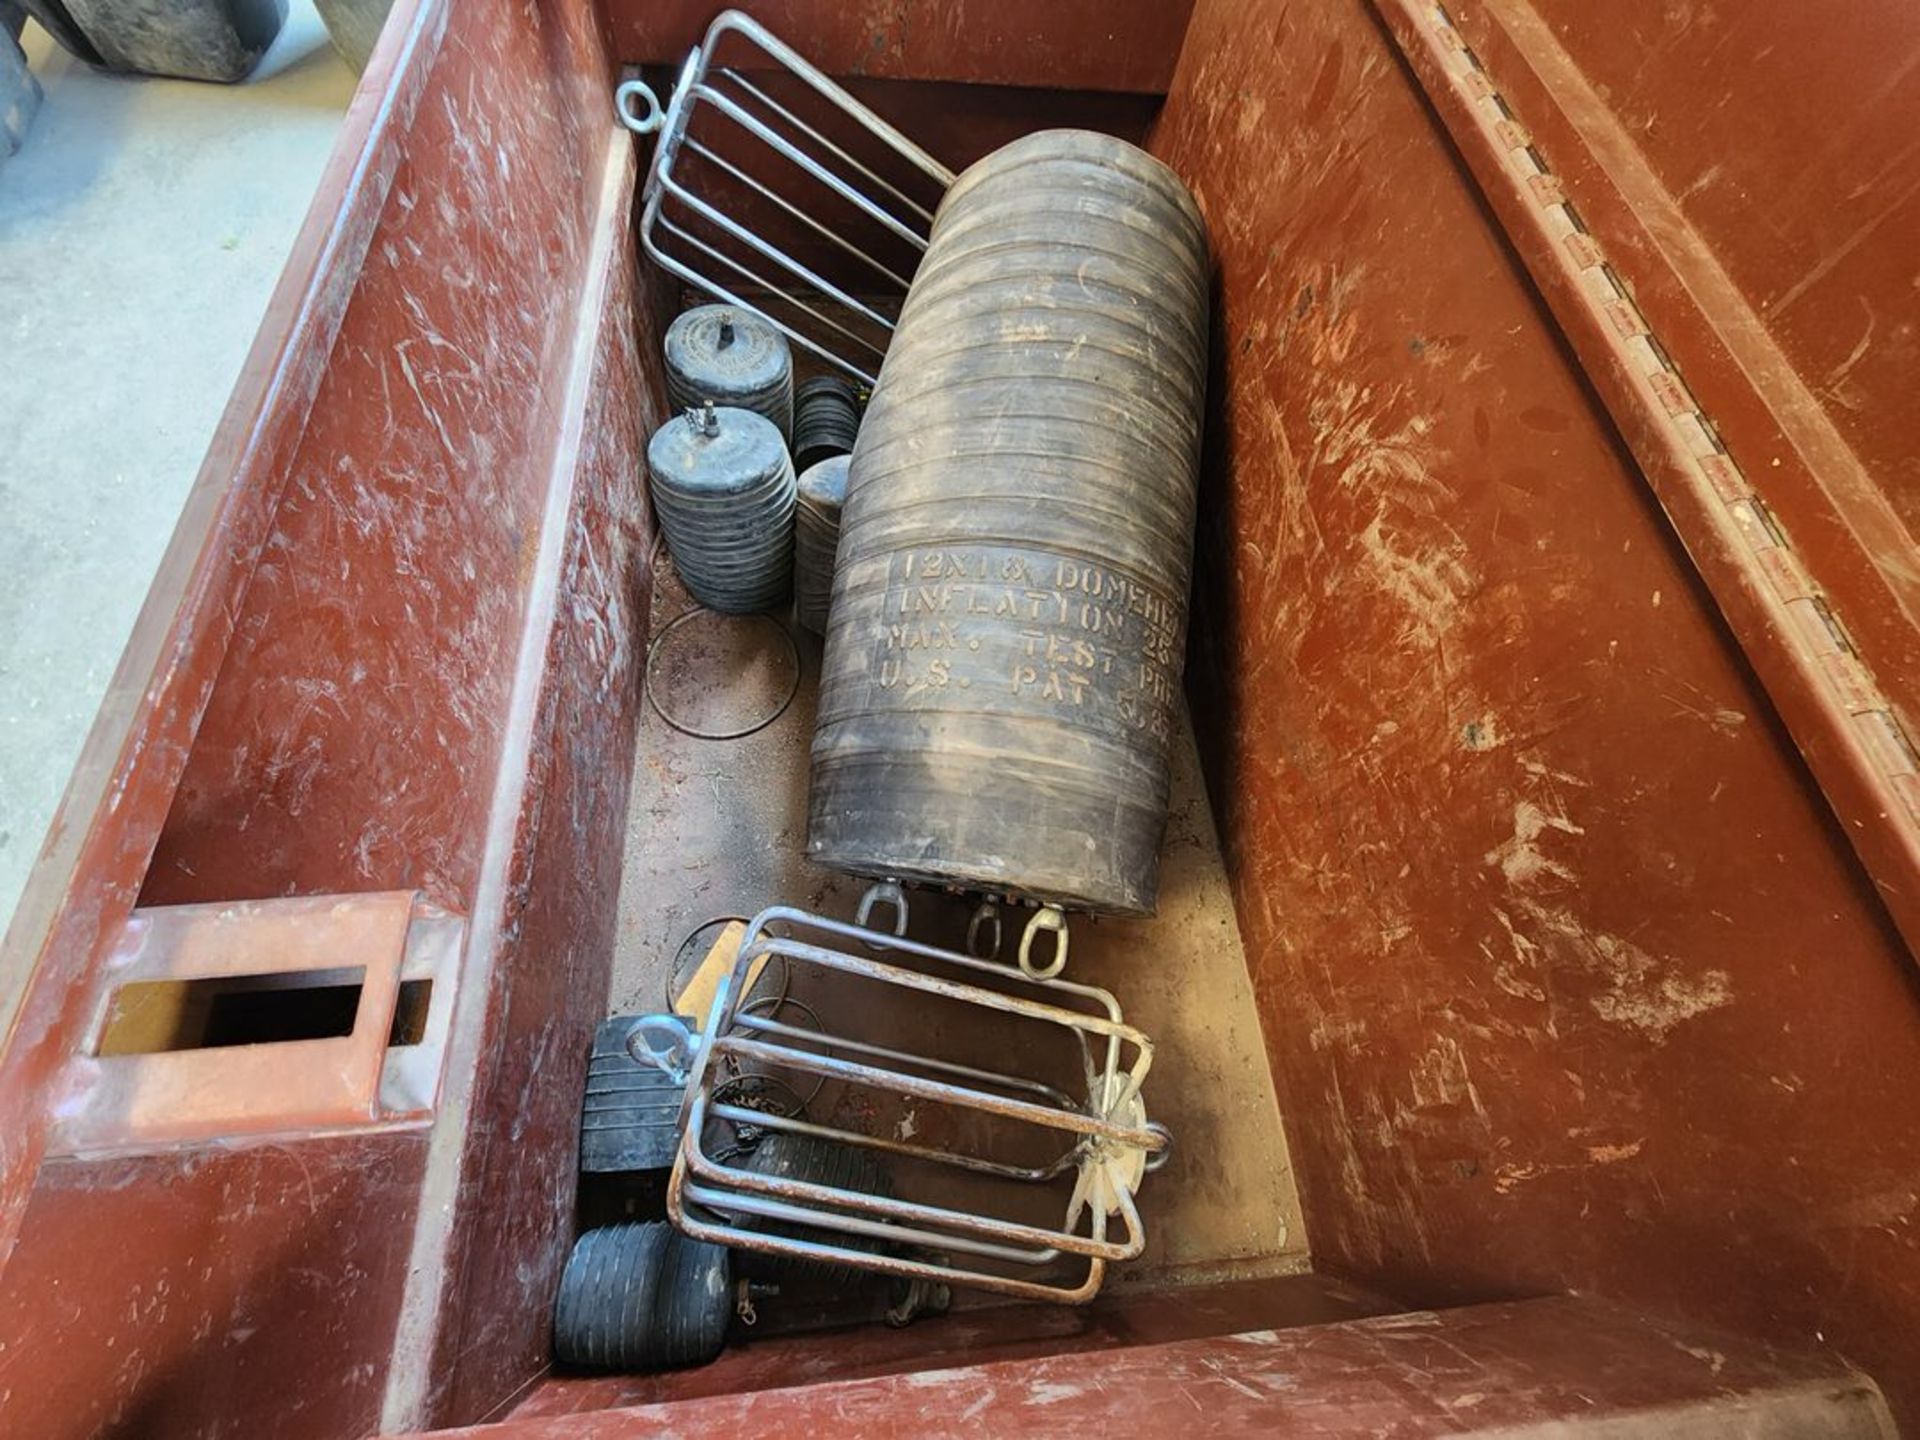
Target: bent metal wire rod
(811, 168)
(1104, 1136)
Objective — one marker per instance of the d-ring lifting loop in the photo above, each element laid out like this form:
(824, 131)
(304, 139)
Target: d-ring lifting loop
(1050, 918)
(648, 121)
(884, 892)
(987, 914)
(664, 1042)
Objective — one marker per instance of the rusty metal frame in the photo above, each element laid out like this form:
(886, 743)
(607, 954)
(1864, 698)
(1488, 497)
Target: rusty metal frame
(713, 1200)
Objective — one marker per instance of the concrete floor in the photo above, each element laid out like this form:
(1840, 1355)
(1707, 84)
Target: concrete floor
(142, 227)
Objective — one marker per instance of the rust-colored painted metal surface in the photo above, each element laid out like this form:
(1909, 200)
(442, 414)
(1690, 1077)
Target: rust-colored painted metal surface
(488, 1258)
(388, 650)
(1117, 1319)
(1062, 44)
(162, 1092)
(88, 877)
(1541, 1367)
(957, 124)
(218, 1295)
(1785, 134)
(1569, 978)
(367, 691)
(1807, 558)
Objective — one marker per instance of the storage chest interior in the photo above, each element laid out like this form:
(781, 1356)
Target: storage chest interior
(1529, 925)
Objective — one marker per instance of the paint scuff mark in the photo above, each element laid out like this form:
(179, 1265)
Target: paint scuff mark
(1637, 990)
(1427, 581)
(1614, 1154)
(1520, 858)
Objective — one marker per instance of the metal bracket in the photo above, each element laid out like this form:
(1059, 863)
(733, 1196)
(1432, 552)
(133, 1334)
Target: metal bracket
(810, 168)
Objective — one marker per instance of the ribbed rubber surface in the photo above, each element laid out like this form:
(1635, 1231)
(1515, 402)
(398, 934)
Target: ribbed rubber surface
(630, 1119)
(641, 1297)
(826, 421)
(730, 357)
(726, 504)
(1009, 610)
(821, 1162)
(816, 535)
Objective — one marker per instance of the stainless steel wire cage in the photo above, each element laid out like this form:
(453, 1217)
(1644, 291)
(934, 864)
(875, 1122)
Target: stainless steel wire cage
(1100, 1137)
(735, 160)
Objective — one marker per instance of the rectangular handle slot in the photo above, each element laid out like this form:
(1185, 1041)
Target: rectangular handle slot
(152, 1017)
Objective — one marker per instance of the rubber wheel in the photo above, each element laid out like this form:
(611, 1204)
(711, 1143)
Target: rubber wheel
(694, 1301)
(214, 40)
(787, 1156)
(55, 20)
(641, 1297)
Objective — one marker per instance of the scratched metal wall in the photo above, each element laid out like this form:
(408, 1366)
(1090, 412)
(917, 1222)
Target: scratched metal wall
(1568, 978)
(1114, 45)
(1790, 136)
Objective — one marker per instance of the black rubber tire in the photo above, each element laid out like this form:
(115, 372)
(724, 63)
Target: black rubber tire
(641, 1297)
(788, 1156)
(606, 1296)
(55, 20)
(693, 1301)
(214, 40)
